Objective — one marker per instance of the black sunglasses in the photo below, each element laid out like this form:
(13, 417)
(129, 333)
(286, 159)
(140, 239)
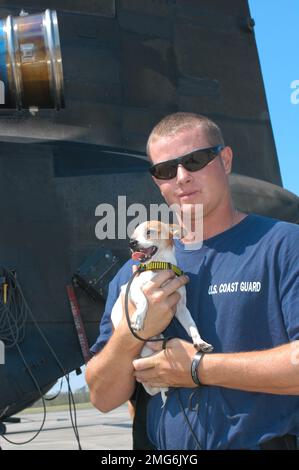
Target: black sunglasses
(193, 161)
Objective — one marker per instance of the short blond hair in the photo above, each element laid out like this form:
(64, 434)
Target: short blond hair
(177, 122)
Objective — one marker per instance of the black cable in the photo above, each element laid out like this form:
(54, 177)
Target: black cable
(38, 388)
(187, 419)
(57, 394)
(70, 393)
(13, 316)
(43, 401)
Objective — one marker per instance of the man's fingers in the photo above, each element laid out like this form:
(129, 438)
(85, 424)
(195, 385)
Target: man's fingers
(144, 363)
(158, 280)
(175, 284)
(131, 305)
(172, 300)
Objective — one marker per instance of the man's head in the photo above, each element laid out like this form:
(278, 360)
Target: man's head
(180, 134)
(176, 123)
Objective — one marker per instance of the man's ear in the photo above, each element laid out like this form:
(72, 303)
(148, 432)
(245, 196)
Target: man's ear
(226, 157)
(158, 183)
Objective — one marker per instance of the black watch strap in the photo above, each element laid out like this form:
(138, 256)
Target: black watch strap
(194, 367)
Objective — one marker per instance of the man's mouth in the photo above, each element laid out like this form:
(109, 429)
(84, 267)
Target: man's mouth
(187, 195)
(144, 254)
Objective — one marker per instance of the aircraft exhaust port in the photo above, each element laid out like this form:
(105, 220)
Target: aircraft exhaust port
(31, 71)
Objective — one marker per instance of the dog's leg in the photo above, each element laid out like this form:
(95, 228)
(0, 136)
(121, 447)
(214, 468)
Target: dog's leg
(191, 328)
(186, 320)
(137, 320)
(116, 314)
(147, 351)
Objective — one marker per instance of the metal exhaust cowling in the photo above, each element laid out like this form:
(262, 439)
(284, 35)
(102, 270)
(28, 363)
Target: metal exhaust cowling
(31, 71)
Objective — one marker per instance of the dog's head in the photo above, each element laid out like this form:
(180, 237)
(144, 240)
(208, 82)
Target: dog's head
(151, 238)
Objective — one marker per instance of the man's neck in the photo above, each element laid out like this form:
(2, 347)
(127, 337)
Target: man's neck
(213, 225)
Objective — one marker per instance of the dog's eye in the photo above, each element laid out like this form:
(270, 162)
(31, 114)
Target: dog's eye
(151, 233)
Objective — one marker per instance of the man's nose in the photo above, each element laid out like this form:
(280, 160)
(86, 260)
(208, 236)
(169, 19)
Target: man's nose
(183, 175)
(132, 243)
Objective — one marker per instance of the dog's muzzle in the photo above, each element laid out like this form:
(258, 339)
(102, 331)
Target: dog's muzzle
(133, 244)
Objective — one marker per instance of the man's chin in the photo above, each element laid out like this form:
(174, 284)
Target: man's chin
(194, 209)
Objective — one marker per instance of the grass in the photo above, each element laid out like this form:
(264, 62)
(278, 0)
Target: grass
(65, 407)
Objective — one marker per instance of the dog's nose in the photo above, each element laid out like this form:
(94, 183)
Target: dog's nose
(132, 243)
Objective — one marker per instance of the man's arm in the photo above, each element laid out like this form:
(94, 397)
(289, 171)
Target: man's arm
(109, 374)
(273, 371)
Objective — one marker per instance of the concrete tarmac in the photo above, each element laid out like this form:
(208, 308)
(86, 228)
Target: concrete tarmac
(97, 431)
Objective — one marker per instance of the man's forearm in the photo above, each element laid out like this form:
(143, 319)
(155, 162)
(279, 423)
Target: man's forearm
(109, 374)
(272, 371)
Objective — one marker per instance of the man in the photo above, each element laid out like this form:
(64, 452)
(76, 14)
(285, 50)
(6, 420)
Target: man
(243, 293)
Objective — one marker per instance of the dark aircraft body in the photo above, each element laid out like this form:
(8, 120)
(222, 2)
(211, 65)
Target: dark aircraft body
(126, 64)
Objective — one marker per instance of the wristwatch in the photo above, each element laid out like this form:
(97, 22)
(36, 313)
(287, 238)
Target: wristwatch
(194, 367)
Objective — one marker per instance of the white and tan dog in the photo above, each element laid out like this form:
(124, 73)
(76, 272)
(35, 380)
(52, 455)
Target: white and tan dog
(153, 241)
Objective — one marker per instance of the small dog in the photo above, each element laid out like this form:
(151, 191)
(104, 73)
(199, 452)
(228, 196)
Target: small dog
(153, 241)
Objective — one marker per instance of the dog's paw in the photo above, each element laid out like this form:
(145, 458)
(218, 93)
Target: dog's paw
(203, 346)
(137, 323)
(199, 343)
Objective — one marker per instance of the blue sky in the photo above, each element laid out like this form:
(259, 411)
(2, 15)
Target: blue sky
(277, 37)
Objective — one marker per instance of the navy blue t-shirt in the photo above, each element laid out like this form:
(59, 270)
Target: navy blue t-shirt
(244, 296)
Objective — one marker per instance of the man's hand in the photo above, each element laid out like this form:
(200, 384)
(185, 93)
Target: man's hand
(162, 296)
(170, 367)
(269, 371)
